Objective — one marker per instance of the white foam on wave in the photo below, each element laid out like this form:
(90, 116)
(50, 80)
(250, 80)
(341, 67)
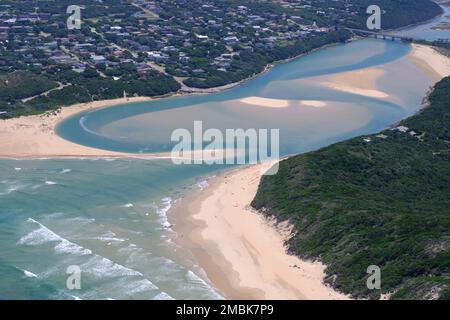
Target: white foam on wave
(12, 186)
(44, 235)
(97, 266)
(63, 171)
(202, 184)
(199, 282)
(81, 220)
(110, 236)
(163, 296)
(139, 286)
(29, 274)
(101, 267)
(130, 249)
(50, 183)
(17, 169)
(128, 205)
(163, 209)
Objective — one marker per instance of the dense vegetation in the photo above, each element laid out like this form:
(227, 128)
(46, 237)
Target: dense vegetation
(22, 84)
(79, 88)
(250, 63)
(397, 13)
(384, 203)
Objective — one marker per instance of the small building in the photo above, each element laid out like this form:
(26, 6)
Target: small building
(401, 129)
(233, 40)
(201, 37)
(98, 59)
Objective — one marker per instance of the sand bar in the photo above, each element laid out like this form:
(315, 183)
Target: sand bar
(434, 63)
(265, 102)
(361, 82)
(313, 103)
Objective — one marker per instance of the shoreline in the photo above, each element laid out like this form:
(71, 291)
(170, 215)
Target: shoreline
(243, 253)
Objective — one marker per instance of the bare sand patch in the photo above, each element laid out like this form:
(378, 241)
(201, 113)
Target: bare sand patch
(265, 102)
(314, 103)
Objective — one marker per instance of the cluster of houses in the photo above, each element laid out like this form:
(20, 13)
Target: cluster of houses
(401, 129)
(154, 37)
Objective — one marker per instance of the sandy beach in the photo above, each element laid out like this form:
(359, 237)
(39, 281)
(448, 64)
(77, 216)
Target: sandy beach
(434, 63)
(34, 136)
(243, 253)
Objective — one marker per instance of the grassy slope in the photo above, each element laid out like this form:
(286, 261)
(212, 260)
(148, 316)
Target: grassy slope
(386, 203)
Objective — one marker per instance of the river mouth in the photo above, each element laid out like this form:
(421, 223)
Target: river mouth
(109, 216)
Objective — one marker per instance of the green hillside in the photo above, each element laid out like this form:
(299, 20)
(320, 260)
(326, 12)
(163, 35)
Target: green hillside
(384, 203)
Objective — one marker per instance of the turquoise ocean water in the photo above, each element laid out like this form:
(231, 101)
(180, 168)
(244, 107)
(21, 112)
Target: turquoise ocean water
(110, 216)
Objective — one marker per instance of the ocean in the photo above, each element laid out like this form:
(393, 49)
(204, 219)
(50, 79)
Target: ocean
(109, 217)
